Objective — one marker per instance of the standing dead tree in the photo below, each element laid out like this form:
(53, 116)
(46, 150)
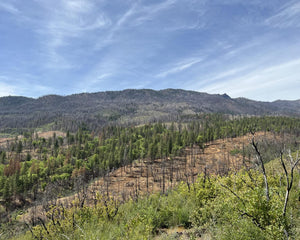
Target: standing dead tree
(289, 176)
(260, 159)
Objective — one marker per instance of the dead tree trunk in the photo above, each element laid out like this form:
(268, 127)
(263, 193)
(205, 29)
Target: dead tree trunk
(289, 178)
(260, 159)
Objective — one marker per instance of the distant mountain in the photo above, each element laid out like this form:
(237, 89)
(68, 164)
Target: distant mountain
(128, 107)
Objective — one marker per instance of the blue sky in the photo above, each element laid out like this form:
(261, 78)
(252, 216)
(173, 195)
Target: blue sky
(242, 48)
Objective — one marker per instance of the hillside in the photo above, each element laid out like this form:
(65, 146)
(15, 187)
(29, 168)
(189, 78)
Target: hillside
(119, 165)
(128, 107)
(145, 176)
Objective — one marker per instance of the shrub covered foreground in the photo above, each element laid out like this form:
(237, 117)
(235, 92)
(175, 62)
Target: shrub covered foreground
(231, 207)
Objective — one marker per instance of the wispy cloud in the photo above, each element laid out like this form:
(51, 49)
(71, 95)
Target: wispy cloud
(180, 66)
(71, 21)
(231, 73)
(93, 81)
(289, 16)
(147, 13)
(263, 83)
(108, 38)
(198, 24)
(97, 79)
(97, 75)
(9, 8)
(5, 88)
(24, 84)
(123, 19)
(134, 16)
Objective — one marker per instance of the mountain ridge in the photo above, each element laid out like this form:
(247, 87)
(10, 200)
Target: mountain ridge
(130, 107)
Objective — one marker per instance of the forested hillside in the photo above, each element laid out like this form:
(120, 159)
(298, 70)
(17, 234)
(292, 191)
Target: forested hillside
(128, 107)
(36, 169)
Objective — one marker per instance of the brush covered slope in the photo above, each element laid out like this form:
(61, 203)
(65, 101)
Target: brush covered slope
(128, 107)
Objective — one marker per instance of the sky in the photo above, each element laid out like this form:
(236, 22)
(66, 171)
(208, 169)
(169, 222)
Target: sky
(243, 48)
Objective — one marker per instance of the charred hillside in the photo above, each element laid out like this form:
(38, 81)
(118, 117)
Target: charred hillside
(128, 107)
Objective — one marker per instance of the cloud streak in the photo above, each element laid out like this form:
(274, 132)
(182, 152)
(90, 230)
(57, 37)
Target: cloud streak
(179, 67)
(149, 12)
(9, 8)
(133, 17)
(287, 17)
(66, 25)
(262, 83)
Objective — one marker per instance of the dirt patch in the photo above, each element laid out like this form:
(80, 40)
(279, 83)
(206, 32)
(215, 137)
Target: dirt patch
(49, 134)
(5, 141)
(46, 135)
